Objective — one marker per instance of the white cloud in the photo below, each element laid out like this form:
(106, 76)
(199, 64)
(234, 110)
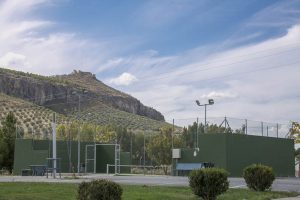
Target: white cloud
(13, 60)
(159, 13)
(44, 50)
(258, 81)
(168, 83)
(219, 95)
(124, 79)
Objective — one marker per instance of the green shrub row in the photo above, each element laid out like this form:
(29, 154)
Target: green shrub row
(208, 183)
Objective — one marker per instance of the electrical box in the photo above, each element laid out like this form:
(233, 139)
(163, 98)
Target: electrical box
(176, 153)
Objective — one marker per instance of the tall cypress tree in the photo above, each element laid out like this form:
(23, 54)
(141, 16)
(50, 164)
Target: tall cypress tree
(7, 141)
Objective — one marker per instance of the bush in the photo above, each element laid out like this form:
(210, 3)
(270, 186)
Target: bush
(259, 177)
(83, 191)
(208, 183)
(99, 190)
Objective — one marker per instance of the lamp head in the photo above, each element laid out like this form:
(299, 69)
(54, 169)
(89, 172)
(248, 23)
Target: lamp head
(211, 101)
(198, 102)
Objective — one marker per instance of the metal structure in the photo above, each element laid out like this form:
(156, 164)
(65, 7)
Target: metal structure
(54, 146)
(78, 155)
(117, 159)
(234, 152)
(210, 102)
(92, 158)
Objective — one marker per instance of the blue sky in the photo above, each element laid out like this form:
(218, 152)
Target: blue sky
(244, 54)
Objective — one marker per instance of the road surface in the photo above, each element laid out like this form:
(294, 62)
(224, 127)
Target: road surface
(280, 184)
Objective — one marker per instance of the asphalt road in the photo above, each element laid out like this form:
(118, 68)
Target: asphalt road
(280, 184)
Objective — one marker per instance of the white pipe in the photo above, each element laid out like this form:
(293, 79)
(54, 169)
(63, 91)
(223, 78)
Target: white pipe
(54, 148)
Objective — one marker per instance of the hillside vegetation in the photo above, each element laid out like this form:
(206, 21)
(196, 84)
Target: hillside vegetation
(35, 121)
(32, 120)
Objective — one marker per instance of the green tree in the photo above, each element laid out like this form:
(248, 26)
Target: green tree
(87, 132)
(7, 141)
(159, 148)
(61, 132)
(137, 146)
(297, 154)
(295, 132)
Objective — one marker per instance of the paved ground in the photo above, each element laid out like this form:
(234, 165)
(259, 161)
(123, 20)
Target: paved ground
(280, 184)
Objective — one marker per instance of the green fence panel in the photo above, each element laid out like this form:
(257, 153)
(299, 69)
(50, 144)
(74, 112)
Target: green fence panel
(125, 160)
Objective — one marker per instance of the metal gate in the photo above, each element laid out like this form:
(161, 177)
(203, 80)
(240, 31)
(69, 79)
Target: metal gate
(90, 158)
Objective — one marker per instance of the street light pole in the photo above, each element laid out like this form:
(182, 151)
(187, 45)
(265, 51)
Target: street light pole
(144, 153)
(205, 116)
(210, 102)
(78, 148)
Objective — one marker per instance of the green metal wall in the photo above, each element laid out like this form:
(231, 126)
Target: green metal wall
(25, 155)
(105, 155)
(125, 160)
(234, 152)
(243, 150)
(34, 152)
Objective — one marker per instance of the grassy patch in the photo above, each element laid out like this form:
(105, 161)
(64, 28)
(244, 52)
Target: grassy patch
(49, 191)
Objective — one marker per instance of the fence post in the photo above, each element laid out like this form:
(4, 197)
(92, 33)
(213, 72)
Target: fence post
(277, 130)
(267, 131)
(246, 126)
(197, 144)
(107, 169)
(172, 147)
(262, 128)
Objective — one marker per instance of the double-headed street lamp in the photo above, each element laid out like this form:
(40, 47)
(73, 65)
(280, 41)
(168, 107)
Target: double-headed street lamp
(210, 102)
(78, 152)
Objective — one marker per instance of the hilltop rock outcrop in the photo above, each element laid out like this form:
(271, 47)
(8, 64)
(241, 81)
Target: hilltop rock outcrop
(57, 92)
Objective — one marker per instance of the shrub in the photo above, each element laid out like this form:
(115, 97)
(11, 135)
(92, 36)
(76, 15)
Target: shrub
(99, 190)
(208, 183)
(259, 177)
(83, 191)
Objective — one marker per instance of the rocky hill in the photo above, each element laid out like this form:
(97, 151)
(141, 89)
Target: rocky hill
(100, 104)
(64, 90)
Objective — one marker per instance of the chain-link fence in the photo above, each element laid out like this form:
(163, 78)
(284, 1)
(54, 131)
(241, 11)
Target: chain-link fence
(231, 125)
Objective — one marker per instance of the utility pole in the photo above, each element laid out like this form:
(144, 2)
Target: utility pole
(131, 146)
(172, 148)
(197, 144)
(246, 126)
(78, 148)
(262, 129)
(277, 130)
(173, 134)
(144, 152)
(54, 145)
